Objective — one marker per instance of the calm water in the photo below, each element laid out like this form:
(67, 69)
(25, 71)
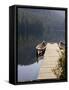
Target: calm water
(29, 72)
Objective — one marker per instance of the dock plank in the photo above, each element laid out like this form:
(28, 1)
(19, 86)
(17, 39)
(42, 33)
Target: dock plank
(50, 61)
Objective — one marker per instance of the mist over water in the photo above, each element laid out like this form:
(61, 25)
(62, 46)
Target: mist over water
(29, 72)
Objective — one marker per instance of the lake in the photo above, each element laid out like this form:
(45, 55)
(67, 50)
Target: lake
(29, 72)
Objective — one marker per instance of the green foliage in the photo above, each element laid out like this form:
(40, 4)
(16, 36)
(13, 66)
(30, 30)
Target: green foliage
(62, 64)
(59, 70)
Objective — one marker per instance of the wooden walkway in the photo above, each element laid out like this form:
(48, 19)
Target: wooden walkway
(50, 60)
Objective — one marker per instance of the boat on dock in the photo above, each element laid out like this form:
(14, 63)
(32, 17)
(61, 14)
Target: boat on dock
(61, 45)
(40, 49)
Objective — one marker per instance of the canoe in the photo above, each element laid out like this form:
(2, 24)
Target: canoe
(40, 49)
(61, 45)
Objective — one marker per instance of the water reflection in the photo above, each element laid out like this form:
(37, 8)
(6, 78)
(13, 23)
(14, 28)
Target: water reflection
(29, 72)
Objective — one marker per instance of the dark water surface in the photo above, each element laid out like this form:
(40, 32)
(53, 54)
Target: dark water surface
(34, 26)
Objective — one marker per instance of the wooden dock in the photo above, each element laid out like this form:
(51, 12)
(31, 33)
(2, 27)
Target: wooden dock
(50, 61)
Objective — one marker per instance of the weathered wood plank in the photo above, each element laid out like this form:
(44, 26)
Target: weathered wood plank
(51, 57)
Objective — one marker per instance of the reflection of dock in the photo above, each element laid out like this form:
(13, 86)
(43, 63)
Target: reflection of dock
(51, 57)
